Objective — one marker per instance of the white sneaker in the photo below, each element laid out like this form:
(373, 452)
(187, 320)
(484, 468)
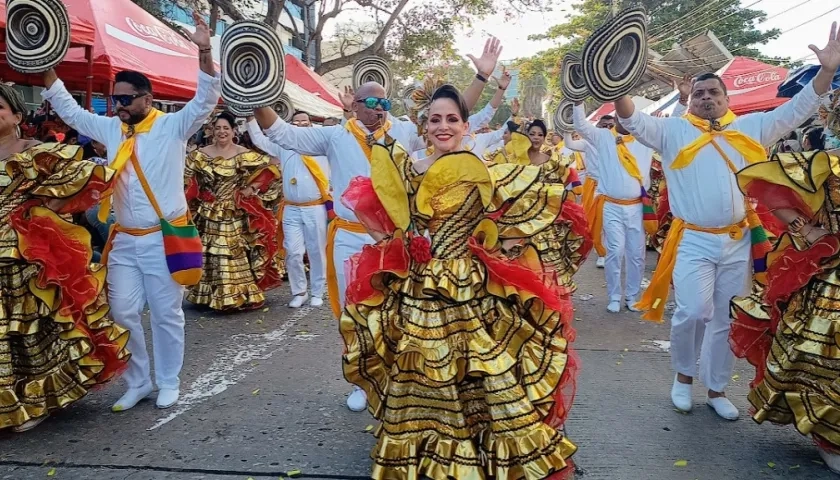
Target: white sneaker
(631, 305)
(681, 395)
(831, 460)
(723, 407)
(357, 400)
(614, 306)
(167, 397)
(132, 397)
(600, 262)
(298, 301)
(316, 302)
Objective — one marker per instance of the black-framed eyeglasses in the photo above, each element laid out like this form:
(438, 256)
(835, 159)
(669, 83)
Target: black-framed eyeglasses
(373, 102)
(126, 100)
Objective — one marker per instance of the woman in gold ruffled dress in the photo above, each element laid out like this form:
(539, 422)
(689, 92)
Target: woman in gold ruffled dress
(56, 340)
(231, 191)
(565, 245)
(456, 332)
(789, 329)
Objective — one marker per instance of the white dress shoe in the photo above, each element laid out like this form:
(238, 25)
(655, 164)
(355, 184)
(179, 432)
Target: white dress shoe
(167, 397)
(631, 305)
(831, 460)
(681, 395)
(614, 306)
(723, 407)
(298, 301)
(357, 400)
(316, 302)
(600, 262)
(132, 397)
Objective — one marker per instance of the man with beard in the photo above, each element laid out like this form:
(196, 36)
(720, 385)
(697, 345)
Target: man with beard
(708, 249)
(306, 197)
(142, 137)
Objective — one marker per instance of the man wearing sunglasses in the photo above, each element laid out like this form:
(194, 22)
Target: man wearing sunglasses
(348, 150)
(137, 265)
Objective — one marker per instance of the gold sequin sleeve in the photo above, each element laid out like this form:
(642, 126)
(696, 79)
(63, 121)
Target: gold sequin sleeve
(522, 205)
(55, 170)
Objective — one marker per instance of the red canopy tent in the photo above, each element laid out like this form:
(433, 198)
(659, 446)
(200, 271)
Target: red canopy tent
(82, 34)
(752, 85)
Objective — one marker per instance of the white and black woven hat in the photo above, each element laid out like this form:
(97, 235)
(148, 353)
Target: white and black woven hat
(563, 119)
(572, 83)
(239, 111)
(614, 57)
(372, 69)
(253, 65)
(285, 108)
(37, 34)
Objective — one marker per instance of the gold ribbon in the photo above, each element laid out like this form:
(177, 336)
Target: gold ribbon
(125, 152)
(595, 218)
(628, 161)
(332, 279)
(750, 149)
(366, 140)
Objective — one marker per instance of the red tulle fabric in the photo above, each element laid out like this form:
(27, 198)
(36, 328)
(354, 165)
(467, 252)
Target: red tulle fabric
(261, 221)
(663, 210)
(360, 197)
(751, 338)
(264, 180)
(387, 256)
(771, 224)
(65, 263)
(573, 177)
(576, 218)
(85, 199)
(776, 197)
(191, 191)
(206, 196)
(564, 395)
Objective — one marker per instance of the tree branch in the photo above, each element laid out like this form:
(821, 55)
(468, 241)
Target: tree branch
(230, 9)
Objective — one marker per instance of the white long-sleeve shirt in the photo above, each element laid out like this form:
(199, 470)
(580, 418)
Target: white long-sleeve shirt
(481, 118)
(590, 155)
(613, 179)
(706, 192)
(161, 152)
(344, 155)
(298, 184)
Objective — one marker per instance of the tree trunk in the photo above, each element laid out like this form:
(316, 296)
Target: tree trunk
(230, 9)
(272, 16)
(214, 17)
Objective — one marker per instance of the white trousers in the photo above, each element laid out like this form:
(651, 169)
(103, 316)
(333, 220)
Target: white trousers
(138, 275)
(710, 270)
(305, 231)
(346, 245)
(624, 239)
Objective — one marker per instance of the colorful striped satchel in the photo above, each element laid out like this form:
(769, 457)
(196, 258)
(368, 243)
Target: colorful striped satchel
(181, 243)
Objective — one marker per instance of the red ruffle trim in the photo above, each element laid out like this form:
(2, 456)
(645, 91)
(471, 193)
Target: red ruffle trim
(361, 198)
(776, 197)
(191, 191)
(576, 218)
(65, 263)
(264, 180)
(387, 256)
(262, 222)
(751, 338)
(87, 198)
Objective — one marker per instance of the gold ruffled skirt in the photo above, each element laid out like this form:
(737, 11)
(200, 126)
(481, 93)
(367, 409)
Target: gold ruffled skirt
(461, 380)
(47, 362)
(233, 265)
(559, 249)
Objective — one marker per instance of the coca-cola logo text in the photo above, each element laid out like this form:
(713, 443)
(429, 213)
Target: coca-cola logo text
(756, 78)
(161, 34)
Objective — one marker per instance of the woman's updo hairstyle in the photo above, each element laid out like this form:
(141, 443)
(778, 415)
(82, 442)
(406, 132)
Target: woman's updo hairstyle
(226, 116)
(450, 92)
(539, 124)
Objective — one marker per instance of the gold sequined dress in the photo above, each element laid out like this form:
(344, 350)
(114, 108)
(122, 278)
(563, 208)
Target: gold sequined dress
(239, 234)
(462, 347)
(56, 340)
(789, 329)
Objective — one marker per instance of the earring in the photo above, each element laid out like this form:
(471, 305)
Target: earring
(17, 131)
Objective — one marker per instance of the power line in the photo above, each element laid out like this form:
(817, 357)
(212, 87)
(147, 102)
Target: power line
(693, 29)
(672, 23)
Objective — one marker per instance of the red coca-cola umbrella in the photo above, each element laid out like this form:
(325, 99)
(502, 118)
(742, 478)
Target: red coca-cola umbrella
(752, 85)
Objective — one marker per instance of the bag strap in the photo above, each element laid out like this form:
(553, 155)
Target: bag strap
(142, 177)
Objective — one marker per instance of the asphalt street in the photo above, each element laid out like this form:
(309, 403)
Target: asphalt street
(263, 397)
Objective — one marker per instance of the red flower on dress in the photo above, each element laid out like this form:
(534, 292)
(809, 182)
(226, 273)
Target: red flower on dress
(420, 249)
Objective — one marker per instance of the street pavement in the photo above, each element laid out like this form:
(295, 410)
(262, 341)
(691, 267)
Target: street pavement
(263, 397)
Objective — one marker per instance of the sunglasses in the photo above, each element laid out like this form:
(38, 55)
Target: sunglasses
(126, 100)
(373, 102)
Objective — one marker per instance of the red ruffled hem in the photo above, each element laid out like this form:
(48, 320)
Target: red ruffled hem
(575, 216)
(191, 192)
(361, 198)
(65, 263)
(262, 222)
(87, 198)
(388, 256)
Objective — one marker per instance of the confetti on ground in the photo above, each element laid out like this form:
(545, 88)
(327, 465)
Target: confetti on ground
(794, 467)
(293, 473)
(256, 392)
(736, 377)
(680, 411)
(618, 363)
(51, 473)
(259, 321)
(771, 464)
(626, 349)
(302, 332)
(266, 309)
(369, 428)
(681, 463)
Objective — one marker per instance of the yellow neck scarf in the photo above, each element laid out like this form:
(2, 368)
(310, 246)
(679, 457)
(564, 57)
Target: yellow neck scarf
(579, 165)
(366, 140)
(628, 161)
(750, 149)
(125, 152)
(318, 175)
